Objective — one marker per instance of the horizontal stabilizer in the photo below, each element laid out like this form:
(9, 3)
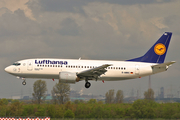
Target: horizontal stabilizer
(163, 64)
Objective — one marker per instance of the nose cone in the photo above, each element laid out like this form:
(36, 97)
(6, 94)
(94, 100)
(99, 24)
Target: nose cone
(8, 69)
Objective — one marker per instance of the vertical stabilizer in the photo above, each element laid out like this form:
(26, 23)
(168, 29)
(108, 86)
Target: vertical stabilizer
(157, 53)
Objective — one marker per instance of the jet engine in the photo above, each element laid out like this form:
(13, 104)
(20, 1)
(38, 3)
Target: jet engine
(68, 77)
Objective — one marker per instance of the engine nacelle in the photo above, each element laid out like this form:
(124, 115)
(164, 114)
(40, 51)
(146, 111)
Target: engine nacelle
(68, 77)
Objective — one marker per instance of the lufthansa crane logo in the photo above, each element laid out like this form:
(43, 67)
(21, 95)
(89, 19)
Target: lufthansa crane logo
(160, 49)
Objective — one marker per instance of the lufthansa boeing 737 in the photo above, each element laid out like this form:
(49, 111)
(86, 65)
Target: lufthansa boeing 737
(72, 70)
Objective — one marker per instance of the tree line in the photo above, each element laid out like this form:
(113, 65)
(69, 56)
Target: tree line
(61, 107)
(60, 93)
(141, 108)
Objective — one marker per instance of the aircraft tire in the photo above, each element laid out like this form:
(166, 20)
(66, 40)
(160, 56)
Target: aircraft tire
(24, 82)
(87, 84)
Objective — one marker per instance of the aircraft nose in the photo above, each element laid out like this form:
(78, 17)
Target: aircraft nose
(7, 69)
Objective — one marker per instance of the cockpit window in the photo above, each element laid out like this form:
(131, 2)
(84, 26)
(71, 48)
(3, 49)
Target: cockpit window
(16, 64)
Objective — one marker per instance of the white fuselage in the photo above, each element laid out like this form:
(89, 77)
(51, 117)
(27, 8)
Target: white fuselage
(50, 68)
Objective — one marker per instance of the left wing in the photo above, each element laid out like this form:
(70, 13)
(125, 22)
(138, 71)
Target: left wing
(94, 72)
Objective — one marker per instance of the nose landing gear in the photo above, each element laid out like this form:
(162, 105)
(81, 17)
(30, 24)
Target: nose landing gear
(24, 82)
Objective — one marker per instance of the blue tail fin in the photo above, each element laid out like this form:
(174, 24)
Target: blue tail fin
(157, 52)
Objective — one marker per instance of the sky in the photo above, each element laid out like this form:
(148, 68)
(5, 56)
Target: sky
(90, 29)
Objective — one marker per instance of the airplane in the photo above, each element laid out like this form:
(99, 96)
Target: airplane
(75, 70)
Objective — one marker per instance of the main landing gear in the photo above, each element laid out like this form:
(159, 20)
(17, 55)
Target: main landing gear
(87, 84)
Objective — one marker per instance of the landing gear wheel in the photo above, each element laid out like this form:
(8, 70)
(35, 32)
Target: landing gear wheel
(24, 82)
(87, 84)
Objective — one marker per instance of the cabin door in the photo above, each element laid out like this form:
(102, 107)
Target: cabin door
(137, 69)
(29, 65)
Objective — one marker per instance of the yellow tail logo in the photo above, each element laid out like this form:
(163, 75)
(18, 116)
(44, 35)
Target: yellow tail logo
(160, 49)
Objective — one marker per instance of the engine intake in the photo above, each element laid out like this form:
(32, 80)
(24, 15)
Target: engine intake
(68, 77)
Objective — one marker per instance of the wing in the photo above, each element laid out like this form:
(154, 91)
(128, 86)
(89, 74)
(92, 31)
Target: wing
(94, 72)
